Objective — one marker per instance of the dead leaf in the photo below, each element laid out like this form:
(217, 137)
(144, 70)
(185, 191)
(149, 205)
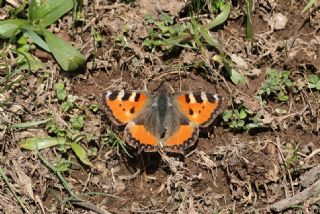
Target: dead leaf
(249, 102)
(24, 180)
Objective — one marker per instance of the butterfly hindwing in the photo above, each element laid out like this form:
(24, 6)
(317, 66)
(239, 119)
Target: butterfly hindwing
(123, 106)
(199, 107)
(183, 136)
(138, 136)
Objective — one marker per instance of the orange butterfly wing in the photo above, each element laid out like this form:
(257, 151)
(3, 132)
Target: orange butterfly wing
(137, 136)
(123, 106)
(199, 108)
(183, 137)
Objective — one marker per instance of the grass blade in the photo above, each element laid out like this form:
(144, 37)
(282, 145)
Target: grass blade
(35, 38)
(249, 26)
(222, 17)
(309, 5)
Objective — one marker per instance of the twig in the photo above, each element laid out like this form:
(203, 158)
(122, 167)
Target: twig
(312, 154)
(284, 163)
(129, 177)
(90, 207)
(310, 176)
(297, 198)
(189, 17)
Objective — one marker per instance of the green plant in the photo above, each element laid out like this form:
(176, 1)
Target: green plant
(240, 118)
(94, 107)
(166, 34)
(40, 16)
(115, 142)
(277, 84)
(163, 29)
(249, 26)
(314, 82)
(65, 135)
(309, 5)
(61, 94)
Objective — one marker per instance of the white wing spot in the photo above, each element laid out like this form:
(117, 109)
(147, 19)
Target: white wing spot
(120, 95)
(192, 99)
(133, 95)
(108, 94)
(204, 97)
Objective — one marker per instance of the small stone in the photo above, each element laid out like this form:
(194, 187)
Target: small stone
(279, 21)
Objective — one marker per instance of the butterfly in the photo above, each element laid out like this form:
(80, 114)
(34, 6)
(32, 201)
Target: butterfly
(169, 122)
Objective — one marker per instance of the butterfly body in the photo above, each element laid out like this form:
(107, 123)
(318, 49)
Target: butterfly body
(161, 121)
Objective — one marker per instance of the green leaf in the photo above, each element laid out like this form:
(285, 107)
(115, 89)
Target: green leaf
(94, 107)
(35, 38)
(65, 106)
(68, 57)
(77, 122)
(204, 31)
(23, 40)
(242, 114)
(50, 11)
(149, 18)
(240, 124)
(236, 77)
(164, 17)
(38, 143)
(11, 27)
(313, 79)
(282, 96)
(81, 153)
(222, 17)
(60, 91)
(63, 165)
(318, 86)
(25, 59)
(251, 126)
(226, 115)
(32, 10)
(69, 103)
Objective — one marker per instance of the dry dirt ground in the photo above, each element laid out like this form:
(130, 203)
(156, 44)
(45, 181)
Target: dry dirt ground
(229, 170)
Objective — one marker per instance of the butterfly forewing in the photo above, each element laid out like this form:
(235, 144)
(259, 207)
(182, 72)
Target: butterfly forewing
(123, 106)
(199, 108)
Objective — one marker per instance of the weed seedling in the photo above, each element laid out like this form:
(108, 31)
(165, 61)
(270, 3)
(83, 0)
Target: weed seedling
(113, 140)
(277, 84)
(240, 118)
(314, 82)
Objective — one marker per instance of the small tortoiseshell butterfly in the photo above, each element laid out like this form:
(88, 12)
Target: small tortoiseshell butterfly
(169, 122)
